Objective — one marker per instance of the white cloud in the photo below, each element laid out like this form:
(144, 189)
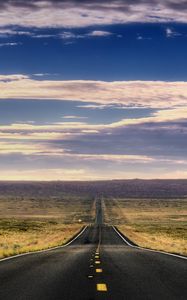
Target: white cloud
(70, 130)
(65, 35)
(154, 94)
(74, 117)
(71, 14)
(68, 35)
(16, 147)
(166, 115)
(170, 33)
(42, 36)
(141, 38)
(42, 74)
(95, 106)
(79, 150)
(88, 173)
(6, 32)
(43, 174)
(13, 77)
(100, 33)
(9, 44)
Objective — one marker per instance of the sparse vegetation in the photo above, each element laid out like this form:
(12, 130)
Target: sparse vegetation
(30, 223)
(38, 215)
(19, 236)
(153, 223)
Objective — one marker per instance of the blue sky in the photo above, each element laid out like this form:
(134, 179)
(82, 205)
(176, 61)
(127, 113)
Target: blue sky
(130, 52)
(93, 90)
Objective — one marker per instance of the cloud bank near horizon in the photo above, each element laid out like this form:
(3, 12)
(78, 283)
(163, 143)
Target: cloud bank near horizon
(144, 146)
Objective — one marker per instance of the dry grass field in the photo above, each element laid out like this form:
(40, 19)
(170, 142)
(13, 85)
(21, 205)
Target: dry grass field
(36, 216)
(154, 223)
(30, 224)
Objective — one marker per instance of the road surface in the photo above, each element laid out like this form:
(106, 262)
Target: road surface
(96, 265)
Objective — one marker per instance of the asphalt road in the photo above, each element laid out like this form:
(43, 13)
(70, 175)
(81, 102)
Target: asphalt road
(97, 265)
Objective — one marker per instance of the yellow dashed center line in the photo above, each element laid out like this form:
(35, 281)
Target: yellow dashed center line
(96, 256)
(99, 270)
(101, 287)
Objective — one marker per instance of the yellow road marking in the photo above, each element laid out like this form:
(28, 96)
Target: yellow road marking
(96, 256)
(99, 270)
(101, 287)
(97, 262)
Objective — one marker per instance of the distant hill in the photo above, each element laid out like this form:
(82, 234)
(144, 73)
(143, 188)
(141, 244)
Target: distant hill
(115, 188)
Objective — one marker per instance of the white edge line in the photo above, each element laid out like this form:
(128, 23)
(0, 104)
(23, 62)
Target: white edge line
(45, 250)
(150, 250)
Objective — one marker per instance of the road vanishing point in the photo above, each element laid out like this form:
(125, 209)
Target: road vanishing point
(99, 263)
